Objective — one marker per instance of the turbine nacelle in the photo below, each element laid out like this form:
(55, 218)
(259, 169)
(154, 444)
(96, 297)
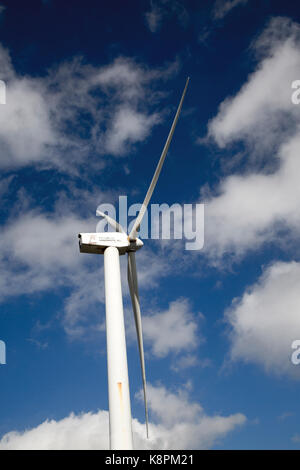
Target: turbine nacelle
(96, 243)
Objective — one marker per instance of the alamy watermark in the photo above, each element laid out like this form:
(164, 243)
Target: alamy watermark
(2, 101)
(296, 94)
(295, 357)
(2, 352)
(161, 221)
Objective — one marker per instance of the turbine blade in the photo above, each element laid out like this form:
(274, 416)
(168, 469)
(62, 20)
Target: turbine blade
(118, 227)
(133, 287)
(143, 209)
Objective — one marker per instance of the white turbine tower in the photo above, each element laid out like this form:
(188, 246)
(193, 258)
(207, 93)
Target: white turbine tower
(112, 245)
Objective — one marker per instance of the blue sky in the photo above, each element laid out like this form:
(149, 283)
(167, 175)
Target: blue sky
(91, 91)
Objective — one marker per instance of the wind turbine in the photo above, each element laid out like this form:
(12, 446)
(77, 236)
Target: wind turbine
(112, 245)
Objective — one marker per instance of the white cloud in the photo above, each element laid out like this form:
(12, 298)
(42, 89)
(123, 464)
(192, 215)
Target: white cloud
(25, 128)
(4, 185)
(114, 102)
(6, 67)
(171, 331)
(179, 424)
(263, 105)
(127, 127)
(84, 313)
(154, 18)
(265, 320)
(47, 241)
(252, 208)
(296, 438)
(285, 415)
(57, 120)
(186, 361)
(223, 7)
(162, 9)
(185, 424)
(85, 431)
(48, 255)
(40, 253)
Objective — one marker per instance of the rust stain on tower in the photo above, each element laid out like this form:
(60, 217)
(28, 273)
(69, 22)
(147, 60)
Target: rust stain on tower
(120, 394)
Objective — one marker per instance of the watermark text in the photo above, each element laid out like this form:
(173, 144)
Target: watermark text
(2, 352)
(161, 221)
